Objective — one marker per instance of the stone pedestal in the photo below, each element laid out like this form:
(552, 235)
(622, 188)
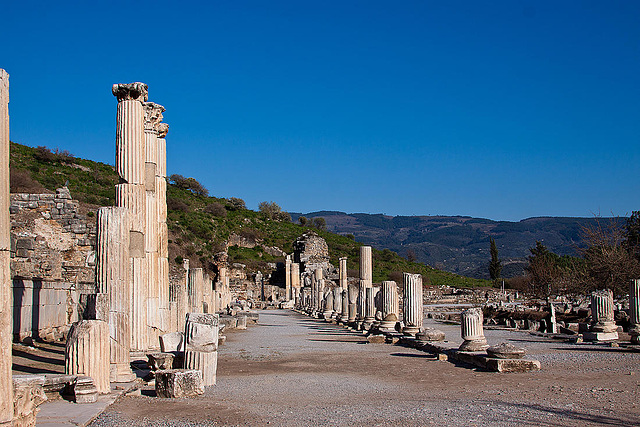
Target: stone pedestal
(86, 352)
(390, 307)
(353, 292)
(344, 315)
(6, 321)
(472, 331)
(328, 305)
(412, 304)
(201, 349)
(114, 282)
(634, 311)
(603, 326)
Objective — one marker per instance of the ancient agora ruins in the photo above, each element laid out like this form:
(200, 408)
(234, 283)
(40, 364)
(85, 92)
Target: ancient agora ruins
(93, 296)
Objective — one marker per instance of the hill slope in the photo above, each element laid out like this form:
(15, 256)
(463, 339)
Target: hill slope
(200, 227)
(460, 244)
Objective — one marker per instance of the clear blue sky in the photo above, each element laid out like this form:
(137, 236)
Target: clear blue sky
(503, 110)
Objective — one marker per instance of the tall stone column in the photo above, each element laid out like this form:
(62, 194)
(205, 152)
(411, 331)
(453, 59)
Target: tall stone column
(366, 266)
(152, 118)
(390, 306)
(287, 278)
(634, 311)
(6, 321)
(163, 231)
(196, 290)
(370, 307)
(603, 325)
(114, 282)
(471, 330)
(342, 273)
(412, 304)
(130, 194)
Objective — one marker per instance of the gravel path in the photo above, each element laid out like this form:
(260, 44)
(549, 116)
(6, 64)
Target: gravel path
(293, 370)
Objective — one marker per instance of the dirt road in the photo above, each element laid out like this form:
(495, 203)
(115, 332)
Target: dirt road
(293, 370)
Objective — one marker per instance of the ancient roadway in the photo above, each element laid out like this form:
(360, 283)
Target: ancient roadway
(293, 370)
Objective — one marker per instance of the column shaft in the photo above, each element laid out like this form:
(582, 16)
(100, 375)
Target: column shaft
(412, 303)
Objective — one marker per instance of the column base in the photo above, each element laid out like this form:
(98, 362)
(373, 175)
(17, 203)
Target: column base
(410, 330)
(474, 345)
(121, 373)
(600, 336)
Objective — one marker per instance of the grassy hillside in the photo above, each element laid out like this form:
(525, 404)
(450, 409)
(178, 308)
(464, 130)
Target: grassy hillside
(200, 225)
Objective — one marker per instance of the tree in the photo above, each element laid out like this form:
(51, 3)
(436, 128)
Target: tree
(270, 209)
(320, 223)
(236, 204)
(302, 220)
(609, 262)
(190, 184)
(632, 238)
(495, 265)
(411, 255)
(542, 270)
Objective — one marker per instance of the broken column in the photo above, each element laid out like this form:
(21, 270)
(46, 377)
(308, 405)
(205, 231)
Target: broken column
(130, 194)
(471, 330)
(353, 292)
(390, 307)
(603, 325)
(295, 281)
(328, 304)
(337, 303)
(201, 345)
(412, 304)
(634, 311)
(196, 290)
(370, 308)
(362, 304)
(6, 321)
(114, 285)
(344, 315)
(366, 266)
(86, 352)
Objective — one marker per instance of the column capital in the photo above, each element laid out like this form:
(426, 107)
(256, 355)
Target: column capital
(163, 129)
(152, 115)
(130, 91)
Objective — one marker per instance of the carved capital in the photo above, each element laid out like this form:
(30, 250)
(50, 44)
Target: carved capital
(152, 115)
(131, 91)
(163, 128)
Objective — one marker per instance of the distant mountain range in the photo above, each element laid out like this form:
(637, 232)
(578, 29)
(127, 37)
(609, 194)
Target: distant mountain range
(460, 244)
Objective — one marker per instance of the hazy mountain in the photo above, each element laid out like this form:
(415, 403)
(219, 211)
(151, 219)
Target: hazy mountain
(460, 244)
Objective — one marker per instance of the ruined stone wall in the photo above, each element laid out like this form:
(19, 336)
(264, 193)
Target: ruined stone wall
(52, 263)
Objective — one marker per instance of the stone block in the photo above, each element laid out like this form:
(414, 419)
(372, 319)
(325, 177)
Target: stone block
(242, 322)
(376, 339)
(173, 341)
(172, 383)
(512, 365)
(201, 332)
(600, 336)
(84, 391)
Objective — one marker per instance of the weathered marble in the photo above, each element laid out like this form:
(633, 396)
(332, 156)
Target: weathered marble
(353, 292)
(366, 266)
(113, 280)
(86, 350)
(390, 306)
(6, 321)
(412, 304)
(174, 383)
(603, 326)
(201, 345)
(471, 330)
(28, 394)
(370, 307)
(505, 351)
(130, 163)
(287, 278)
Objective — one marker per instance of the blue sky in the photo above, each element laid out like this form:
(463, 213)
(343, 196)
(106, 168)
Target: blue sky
(503, 110)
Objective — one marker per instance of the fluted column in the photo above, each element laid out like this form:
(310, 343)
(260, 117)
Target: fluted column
(412, 304)
(6, 321)
(328, 304)
(370, 307)
(342, 273)
(362, 303)
(602, 312)
(287, 278)
(295, 282)
(196, 290)
(113, 280)
(390, 307)
(86, 350)
(163, 232)
(201, 345)
(353, 292)
(130, 194)
(634, 311)
(337, 302)
(366, 266)
(471, 330)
